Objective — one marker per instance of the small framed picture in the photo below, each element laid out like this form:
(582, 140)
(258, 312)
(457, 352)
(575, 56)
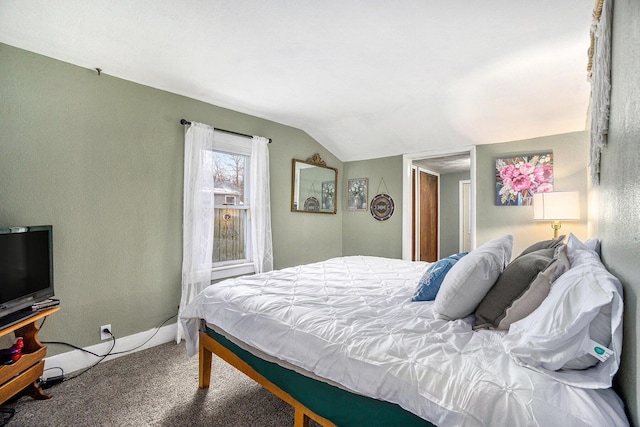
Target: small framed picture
(328, 195)
(357, 194)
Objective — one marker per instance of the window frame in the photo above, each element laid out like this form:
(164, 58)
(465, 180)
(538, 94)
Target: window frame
(241, 145)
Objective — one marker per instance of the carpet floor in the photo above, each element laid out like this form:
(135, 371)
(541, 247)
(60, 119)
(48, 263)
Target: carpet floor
(155, 387)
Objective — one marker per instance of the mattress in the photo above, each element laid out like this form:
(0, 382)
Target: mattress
(350, 320)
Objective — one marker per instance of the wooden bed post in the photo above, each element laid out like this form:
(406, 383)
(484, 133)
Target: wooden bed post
(204, 370)
(209, 346)
(301, 419)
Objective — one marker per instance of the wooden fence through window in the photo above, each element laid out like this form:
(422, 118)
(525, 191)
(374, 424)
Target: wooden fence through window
(229, 234)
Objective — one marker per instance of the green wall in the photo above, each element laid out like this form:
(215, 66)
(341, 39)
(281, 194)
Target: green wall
(570, 157)
(619, 191)
(362, 234)
(385, 239)
(101, 159)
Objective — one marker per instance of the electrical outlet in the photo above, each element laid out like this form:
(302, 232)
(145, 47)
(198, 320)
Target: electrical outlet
(104, 335)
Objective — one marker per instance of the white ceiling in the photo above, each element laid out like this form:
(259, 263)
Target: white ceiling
(366, 79)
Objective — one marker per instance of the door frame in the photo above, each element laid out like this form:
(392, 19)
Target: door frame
(461, 213)
(407, 208)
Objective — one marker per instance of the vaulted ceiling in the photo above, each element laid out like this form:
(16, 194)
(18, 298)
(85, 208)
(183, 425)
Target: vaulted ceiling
(366, 79)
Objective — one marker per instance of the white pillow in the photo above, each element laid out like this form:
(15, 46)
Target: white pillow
(577, 250)
(470, 279)
(584, 304)
(581, 253)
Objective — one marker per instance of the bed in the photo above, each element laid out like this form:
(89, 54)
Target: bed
(344, 342)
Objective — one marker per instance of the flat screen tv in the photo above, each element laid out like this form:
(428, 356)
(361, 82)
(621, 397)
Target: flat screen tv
(26, 268)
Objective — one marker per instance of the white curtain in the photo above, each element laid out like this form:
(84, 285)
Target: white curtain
(197, 227)
(261, 242)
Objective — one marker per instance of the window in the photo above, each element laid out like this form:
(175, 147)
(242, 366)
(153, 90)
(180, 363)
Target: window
(231, 253)
(230, 209)
(243, 244)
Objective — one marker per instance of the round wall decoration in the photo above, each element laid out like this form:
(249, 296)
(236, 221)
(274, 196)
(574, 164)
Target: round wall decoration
(311, 204)
(381, 207)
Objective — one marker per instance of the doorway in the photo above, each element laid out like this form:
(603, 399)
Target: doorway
(448, 219)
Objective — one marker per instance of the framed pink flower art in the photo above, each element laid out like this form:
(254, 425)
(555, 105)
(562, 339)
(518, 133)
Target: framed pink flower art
(518, 178)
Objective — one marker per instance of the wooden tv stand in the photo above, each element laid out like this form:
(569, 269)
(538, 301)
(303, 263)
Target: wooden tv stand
(22, 376)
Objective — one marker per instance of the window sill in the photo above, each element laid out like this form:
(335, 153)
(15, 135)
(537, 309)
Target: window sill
(227, 271)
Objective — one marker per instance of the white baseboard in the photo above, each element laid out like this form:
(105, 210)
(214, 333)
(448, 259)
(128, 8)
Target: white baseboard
(76, 360)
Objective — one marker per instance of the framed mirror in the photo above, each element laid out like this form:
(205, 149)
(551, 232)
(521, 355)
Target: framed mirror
(314, 186)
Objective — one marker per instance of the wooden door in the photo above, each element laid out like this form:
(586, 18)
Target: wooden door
(428, 216)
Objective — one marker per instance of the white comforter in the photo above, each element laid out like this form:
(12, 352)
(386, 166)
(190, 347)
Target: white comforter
(350, 320)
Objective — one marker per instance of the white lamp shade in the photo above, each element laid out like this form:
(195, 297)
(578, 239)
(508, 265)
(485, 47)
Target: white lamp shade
(556, 206)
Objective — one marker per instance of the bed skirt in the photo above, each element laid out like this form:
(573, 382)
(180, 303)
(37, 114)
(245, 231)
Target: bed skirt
(312, 399)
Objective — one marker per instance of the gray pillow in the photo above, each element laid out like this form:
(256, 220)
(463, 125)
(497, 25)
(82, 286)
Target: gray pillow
(544, 244)
(512, 283)
(537, 291)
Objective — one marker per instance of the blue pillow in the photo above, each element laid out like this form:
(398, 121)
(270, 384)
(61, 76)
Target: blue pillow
(429, 285)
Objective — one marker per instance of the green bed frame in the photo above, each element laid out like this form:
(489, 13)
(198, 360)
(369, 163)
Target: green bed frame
(312, 399)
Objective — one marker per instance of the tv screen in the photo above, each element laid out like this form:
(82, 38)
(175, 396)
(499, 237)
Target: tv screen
(26, 267)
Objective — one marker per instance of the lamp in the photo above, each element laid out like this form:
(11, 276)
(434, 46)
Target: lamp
(556, 206)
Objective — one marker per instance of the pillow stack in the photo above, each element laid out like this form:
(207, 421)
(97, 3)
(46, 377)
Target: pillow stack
(523, 285)
(561, 307)
(465, 284)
